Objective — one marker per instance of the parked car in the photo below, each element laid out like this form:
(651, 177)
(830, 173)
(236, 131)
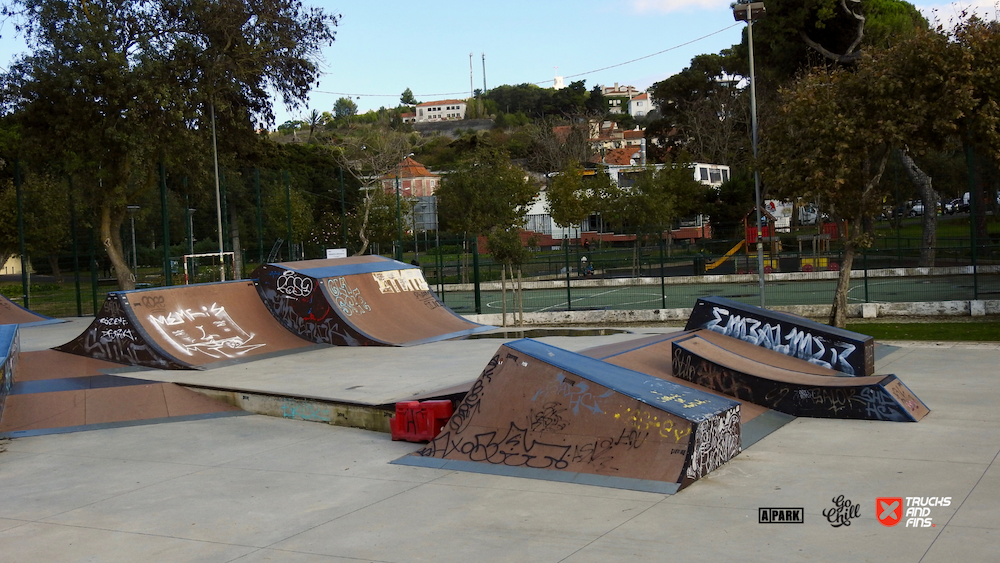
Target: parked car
(957, 205)
(916, 209)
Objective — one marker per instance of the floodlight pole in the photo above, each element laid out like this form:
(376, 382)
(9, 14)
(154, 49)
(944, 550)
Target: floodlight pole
(218, 198)
(748, 13)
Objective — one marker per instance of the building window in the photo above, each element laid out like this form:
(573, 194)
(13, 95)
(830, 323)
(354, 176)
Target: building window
(725, 175)
(716, 175)
(704, 174)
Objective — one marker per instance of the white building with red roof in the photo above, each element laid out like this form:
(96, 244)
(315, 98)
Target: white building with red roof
(443, 110)
(640, 105)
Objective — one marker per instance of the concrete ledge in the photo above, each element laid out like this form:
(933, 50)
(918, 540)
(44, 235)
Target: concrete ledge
(352, 415)
(854, 310)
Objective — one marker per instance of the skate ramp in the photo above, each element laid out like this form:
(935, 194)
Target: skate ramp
(767, 378)
(56, 392)
(9, 352)
(848, 352)
(13, 314)
(358, 301)
(542, 412)
(184, 327)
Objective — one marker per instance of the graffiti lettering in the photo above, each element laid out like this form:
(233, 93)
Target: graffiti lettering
(796, 343)
(118, 334)
(112, 321)
(515, 449)
(293, 285)
(347, 298)
(549, 418)
(578, 394)
(210, 331)
(716, 441)
(400, 281)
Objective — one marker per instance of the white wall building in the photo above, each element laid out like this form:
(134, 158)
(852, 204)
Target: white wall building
(443, 110)
(640, 105)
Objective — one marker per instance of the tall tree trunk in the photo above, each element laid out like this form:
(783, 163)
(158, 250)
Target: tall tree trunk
(930, 198)
(363, 230)
(838, 314)
(110, 227)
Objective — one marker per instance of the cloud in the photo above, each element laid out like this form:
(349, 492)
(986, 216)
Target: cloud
(946, 12)
(666, 6)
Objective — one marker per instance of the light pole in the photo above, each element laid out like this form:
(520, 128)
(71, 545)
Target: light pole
(748, 13)
(399, 214)
(131, 215)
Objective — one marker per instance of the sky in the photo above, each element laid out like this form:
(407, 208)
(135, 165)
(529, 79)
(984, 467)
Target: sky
(384, 47)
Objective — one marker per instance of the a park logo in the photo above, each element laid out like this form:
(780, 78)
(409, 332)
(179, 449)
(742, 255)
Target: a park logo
(780, 515)
(889, 510)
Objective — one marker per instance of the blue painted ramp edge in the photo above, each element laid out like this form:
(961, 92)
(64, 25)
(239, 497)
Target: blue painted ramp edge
(675, 399)
(608, 481)
(351, 269)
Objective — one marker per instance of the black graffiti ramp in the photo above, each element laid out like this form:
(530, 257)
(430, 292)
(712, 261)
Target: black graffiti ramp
(842, 350)
(768, 378)
(358, 301)
(542, 412)
(185, 327)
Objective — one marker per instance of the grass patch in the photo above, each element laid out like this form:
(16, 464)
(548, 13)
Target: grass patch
(946, 332)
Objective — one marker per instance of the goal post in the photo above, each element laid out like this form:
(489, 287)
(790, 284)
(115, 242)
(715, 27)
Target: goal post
(210, 265)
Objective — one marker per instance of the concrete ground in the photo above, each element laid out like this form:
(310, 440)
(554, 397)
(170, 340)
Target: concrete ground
(258, 488)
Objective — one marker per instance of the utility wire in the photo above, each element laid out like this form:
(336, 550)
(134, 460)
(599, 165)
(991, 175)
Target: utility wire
(674, 48)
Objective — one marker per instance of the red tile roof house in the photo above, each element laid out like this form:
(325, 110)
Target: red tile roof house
(414, 180)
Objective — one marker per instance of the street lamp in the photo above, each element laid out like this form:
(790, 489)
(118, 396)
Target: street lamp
(399, 214)
(131, 214)
(748, 13)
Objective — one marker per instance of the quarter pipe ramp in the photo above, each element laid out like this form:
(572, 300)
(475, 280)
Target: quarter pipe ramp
(358, 301)
(184, 327)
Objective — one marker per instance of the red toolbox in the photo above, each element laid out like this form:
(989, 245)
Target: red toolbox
(417, 421)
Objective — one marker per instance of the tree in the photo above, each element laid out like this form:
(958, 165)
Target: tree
(836, 130)
(568, 201)
(489, 196)
(345, 108)
(555, 143)
(369, 154)
(704, 110)
(46, 215)
(407, 99)
(486, 192)
(111, 88)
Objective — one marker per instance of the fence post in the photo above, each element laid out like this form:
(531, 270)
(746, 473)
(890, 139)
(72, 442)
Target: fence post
(76, 254)
(970, 160)
(93, 272)
(475, 275)
(663, 285)
(20, 234)
(288, 210)
(569, 296)
(864, 258)
(165, 218)
(260, 217)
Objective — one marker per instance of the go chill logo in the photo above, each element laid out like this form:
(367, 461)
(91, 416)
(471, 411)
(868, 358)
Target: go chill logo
(915, 510)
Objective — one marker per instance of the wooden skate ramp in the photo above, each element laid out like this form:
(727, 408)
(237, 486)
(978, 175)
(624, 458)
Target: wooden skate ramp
(51, 392)
(842, 350)
(13, 314)
(539, 411)
(358, 301)
(768, 378)
(184, 327)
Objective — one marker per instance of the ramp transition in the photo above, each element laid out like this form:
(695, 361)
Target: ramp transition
(13, 314)
(845, 351)
(358, 301)
(791, 386)
(184, 327)
(56, 393)
(542, 412)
